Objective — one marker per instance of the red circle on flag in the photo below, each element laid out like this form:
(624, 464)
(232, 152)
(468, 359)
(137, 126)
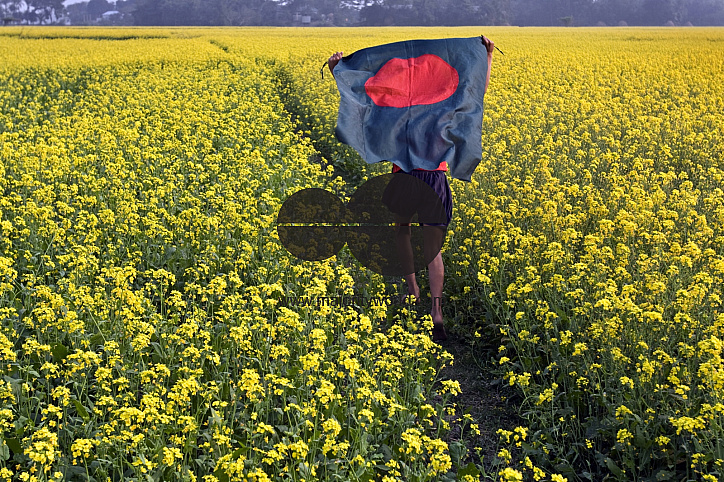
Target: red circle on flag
(422, 80)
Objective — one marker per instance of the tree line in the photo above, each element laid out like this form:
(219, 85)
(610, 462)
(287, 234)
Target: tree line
(370, 12)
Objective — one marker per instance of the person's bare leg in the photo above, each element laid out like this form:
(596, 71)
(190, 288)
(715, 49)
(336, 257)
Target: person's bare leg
(433, 236)
(437, 275)
(404, 250)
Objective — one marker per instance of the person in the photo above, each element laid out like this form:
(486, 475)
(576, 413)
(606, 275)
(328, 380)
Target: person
(431, 232)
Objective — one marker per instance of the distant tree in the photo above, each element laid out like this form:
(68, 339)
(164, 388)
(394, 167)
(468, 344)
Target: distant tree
(8, 9)
(614, 11)
(706, 12)
(497, 12)
(125, 6)
(271, 14)
(230, 12)
(248, 12)
(464, 12)
(658, 12)
(550, 12)
(148, 12)
(96, 8)
(422, 12)
(181, 12)
(534, 12)
(426, 12)
(48, 11)
(375, 14)
(32, 11)
(359, 4)
(78, 13)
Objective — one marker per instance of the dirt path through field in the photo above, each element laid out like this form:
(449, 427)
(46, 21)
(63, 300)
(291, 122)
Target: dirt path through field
(491, 403)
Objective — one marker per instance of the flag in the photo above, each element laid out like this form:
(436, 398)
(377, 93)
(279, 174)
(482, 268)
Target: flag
(415, 103)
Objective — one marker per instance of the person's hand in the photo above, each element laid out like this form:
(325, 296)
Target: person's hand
(334, 60)
(489, 45)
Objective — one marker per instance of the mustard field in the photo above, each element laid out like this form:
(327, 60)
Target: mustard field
(147, 332)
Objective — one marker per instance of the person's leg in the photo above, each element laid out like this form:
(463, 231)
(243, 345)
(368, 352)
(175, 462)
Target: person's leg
(433, 239)
(404, 251)
(437, 275)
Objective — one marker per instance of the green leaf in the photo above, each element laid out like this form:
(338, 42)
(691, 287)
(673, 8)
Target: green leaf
(470, 469)
(220, 475)
(613, 467)
(4, 451)
(15, 384)
(14, 445)
(81, 411)
(457, 451)
(77, 470)
(20, 427)
(237, 453)
(368, 476)
(664, 475)
(641, 440)
(527, 447)
(59, 352)
(304, 471)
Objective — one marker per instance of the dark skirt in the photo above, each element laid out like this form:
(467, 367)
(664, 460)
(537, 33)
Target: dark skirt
(405, 197)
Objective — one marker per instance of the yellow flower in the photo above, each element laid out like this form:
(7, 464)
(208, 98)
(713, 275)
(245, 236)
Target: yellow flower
(170, 455)
(43, 447)
(510, 475)
(81, 448)
(624, 436)
(627, 382)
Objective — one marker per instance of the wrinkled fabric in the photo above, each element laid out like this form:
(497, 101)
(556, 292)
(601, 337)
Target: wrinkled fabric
(415, 103)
